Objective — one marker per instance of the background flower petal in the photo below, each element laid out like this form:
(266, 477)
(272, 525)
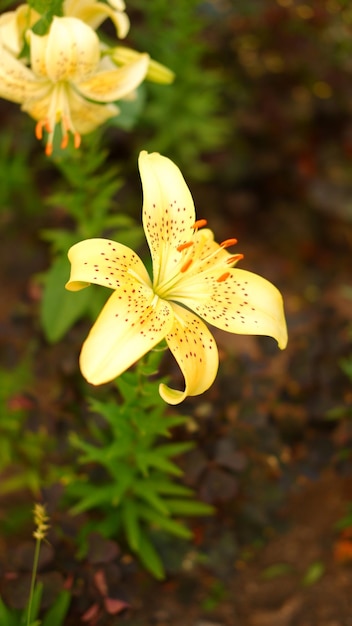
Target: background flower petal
(95, 13)
(13, 25)
(194, 349)
(126, 329)
(69, 52)
(111, 85)
(17, 82)
(86, 115)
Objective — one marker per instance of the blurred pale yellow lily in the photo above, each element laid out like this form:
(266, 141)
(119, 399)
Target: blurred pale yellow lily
(94, 13)
(13, 25)
(68, 82)
(157, 72)
(193, 278)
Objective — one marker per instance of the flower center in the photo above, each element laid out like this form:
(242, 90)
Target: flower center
(198, 255)
(58, 111)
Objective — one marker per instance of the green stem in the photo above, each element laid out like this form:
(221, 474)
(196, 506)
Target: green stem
(34, 575)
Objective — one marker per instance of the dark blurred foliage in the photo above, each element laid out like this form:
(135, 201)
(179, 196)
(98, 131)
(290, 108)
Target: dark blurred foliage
(277, 74)
(288, 95)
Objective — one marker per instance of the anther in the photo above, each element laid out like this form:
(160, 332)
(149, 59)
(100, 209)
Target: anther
(64, 142)
(234, 258)
(39, 128)
(186, 265)
(76, 140)
(223, 277)
(227, 243)
(184, 246)
(49, 148)
(199, 224)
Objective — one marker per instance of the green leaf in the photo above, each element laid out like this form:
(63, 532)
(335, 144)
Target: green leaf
(314, 572)
(36, 600)
(100, 496)
(150, 558)
(48, 9)
(131, 524)
(8, 617)
(150, 458)
(130, 110)
(276, 570)
(165, 523)
(151, 498)
(189, 507)
(60, 308)
(165, 486)
(56, 614)
(174, 449)
(346, 366)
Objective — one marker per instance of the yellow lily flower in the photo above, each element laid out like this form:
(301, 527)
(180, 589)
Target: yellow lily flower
(193, 278)
(94, 13)
(14, 24)
(68, 82)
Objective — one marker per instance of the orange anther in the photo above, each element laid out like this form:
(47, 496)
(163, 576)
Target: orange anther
(64, 142)
(76, 140)
(223, 277)
(49, 149)
(186, 265)
(184, 246)
(39, 130)
(227, 243)
(199, 224)
(234, 258)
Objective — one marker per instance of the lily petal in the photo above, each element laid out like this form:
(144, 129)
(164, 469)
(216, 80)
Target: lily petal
(110, 85)
(129, 325)
(157, 72)
(17, 82)
(194, 349)
(95, 13)
(84, 115)
(69, 52)
(104, 262)
(242, 303)
(13, 25)
(168, 212)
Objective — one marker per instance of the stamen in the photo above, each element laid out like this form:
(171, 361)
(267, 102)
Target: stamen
(49, 148)
(199, 224)
(235, 257)
(184, 246)
(186, 265)
(39, 128)
(64, 142)
(76, 140)
(67, 126)
(227, 243)
(223, 277)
